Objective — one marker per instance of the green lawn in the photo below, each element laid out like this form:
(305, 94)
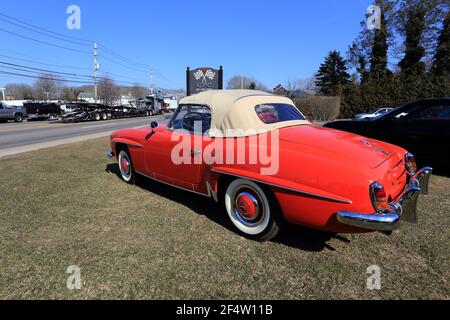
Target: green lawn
(66, 206)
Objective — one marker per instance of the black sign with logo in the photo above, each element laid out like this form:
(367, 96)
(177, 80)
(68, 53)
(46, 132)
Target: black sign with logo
(203, 79)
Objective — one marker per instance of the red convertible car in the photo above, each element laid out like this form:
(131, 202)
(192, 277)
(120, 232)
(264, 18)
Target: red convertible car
(259, 156)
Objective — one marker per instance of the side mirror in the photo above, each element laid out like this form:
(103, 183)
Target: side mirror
(154, 124)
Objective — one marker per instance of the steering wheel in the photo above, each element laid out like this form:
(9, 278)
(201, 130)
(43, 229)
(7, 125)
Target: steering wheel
(189, 125)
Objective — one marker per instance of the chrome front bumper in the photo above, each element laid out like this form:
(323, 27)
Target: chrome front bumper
(403, 209)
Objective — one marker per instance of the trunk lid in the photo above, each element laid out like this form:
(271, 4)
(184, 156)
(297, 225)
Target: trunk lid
(339, 146)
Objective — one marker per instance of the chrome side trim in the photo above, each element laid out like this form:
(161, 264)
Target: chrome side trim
(173, 185)
(128, 144)
(135, 145)
(287, 188)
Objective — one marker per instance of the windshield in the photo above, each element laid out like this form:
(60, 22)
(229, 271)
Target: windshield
(274, 113)
(387, 114)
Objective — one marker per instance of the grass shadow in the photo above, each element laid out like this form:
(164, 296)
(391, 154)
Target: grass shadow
(291, 235)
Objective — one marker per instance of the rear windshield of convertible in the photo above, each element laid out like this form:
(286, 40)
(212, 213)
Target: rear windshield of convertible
(278, 112)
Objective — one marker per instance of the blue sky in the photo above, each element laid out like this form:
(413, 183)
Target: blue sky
(269, 40)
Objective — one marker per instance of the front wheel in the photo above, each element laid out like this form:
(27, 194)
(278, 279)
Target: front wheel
(126, 167)
(252, 210)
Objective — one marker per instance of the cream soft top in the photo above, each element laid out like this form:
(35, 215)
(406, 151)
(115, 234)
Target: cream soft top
(233, 111)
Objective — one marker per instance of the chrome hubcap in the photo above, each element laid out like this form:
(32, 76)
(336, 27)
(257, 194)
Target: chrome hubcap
(247, 208)
(125, 169)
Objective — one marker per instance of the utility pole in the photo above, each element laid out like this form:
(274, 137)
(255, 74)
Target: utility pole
(242, 81)
(151, 81)
(3, 93)
(96, 67)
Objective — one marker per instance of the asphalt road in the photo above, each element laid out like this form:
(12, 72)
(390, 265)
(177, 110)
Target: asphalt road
(17, 138)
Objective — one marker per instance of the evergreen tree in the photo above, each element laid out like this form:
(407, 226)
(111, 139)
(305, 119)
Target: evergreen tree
(441, 60)
(412, 65)
(378, 57)
(380, 40)
(357, 57)
(368, 54)
(332, 76)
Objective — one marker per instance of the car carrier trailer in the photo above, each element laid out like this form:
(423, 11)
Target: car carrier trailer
(97, 112)
(42, 111)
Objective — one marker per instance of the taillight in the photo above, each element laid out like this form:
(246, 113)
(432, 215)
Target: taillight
(410, 163)
(378, 196)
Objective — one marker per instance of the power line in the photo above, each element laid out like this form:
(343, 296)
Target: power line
(42, 77)
(121, 64)
(44, 70)
(42, 63)
(40, 32)
(118, 58)
(124, 59)
(46, 30)
(62, 37)
(44, 42)
(52, 72)
(64, 67)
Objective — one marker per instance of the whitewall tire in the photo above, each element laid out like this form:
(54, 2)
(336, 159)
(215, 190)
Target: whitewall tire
(250, 209)
(126, 167)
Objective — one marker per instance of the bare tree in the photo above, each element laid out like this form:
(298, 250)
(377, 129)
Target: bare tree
(46, 83)
(20, 91)
(108, 92)
(238, 82)
(70, 93)
(138, 92)
(292, 84)
(296, 87)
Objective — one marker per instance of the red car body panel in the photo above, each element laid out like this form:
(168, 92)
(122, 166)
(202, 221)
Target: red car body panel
(320, 172)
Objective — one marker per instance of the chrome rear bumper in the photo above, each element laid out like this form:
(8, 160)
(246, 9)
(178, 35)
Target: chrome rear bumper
(403, 209)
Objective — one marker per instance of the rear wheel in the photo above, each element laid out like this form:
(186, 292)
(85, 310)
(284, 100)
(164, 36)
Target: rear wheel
(252, 209)
(126, 167)
(104, 116)
(18, 117)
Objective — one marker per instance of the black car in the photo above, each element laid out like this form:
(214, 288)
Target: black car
(421, 127)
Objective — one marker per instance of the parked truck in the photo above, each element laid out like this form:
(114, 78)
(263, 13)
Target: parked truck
(11, 113)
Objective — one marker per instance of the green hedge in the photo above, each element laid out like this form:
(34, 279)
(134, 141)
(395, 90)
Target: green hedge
(319, 108)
